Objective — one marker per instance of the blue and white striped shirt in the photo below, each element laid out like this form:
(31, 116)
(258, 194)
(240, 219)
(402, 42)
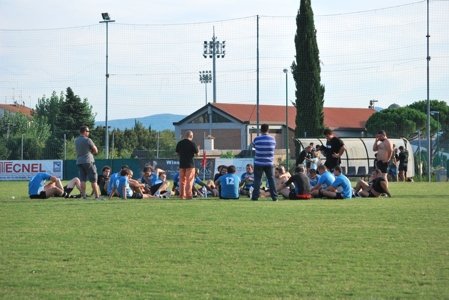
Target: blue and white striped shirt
(264, 145)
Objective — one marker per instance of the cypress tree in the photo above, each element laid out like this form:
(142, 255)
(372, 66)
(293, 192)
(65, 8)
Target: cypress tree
(307, 75)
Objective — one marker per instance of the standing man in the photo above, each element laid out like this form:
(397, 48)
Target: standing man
(334, 150)
(85, 150)
(186, 149)
(384, 148)
(403, 162)
(264, 162)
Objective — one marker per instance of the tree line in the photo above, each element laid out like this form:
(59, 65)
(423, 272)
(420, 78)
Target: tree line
(55, 123)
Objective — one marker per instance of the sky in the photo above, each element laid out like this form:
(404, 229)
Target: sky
(362, 59)
(46, 14)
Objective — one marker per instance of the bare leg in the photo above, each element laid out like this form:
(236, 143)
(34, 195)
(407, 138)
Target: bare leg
(95, 189)
(83, 188)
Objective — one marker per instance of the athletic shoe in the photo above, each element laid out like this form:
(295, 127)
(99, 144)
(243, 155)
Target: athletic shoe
(275, 199)
(157, 194)
(357, 195)
(99, 198)
(166, 195)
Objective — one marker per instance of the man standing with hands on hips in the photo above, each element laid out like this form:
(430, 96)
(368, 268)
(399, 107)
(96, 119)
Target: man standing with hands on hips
(264, 162)
(186, 149)
(384, 148)
(85, 150)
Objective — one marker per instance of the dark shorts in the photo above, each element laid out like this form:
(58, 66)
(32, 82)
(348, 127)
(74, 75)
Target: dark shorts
(88, 171)
(403, 167)
(154, 188)
(339, 196)
(42, 195)
(137, 196)
(382, 166)
(294, 196)
(370, 194)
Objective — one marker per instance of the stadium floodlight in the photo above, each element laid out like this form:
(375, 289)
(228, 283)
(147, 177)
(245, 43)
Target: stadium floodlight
(286, 118)
(205, 77)
(214, 49)
(105, 16)
(106, 20)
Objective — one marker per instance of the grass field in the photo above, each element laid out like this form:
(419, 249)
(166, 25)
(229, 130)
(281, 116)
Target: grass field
(222, 249)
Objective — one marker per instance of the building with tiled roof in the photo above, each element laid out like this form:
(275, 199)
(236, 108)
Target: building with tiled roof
(234, 125)
(15, 108)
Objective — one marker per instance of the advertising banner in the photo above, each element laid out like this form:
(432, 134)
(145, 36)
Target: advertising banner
(25, 169)
(239, 163)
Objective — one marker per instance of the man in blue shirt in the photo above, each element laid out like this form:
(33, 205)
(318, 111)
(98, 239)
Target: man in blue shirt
(229, 184)
(37, 189)
(264, 162)
(113, 179)
(341, 188)
(247, 180)
(313, 178)
(326, 179)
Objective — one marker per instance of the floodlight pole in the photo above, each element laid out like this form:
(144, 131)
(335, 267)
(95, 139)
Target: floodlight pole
(214, 49)
(286, 118)
(106, 20)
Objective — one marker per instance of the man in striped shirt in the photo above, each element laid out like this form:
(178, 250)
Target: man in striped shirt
(264, 162)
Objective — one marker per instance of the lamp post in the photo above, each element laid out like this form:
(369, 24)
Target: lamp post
(435, 112)
(106, 20)
(286, 118)
(214, 49)
(205, 77)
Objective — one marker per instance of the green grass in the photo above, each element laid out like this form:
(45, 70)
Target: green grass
(222, 249)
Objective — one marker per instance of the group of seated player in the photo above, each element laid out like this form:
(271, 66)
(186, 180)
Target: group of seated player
(319, 183)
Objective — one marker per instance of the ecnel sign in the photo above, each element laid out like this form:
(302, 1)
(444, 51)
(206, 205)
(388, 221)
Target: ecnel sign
(25, 169)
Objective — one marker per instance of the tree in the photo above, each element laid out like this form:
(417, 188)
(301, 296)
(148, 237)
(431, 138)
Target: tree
(399, 122)
(307, 75)
(443, 117)
(49, 108)
(74, 113)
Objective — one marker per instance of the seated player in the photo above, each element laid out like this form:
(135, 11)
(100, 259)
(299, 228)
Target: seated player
(229, 184)
(378, 187)
(302, 185)
(340, 188)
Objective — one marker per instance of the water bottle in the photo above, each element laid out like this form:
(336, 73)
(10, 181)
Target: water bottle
(204, 191)
(251, 189)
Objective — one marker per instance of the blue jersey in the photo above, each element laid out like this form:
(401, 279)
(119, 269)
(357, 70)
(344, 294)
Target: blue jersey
(153, 178)
(247, 184)
(343, 186)
(37, 182)
(197, 180)
(112, 181)
(326, 179)
(264, 145)
(229, 186)
(314, 181)
(120, 182)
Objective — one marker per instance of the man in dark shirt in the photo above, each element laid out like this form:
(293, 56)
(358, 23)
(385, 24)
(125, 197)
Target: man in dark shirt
(378, 187)
(303, 155)
(403, 161)
(302, 185)
(186, 149)
(335, 149)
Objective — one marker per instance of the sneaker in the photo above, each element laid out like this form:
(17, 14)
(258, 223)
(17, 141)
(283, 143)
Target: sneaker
(75, 196)
(157, 194)
(84, 198)
(166, 195)
(357, 195)
(99, 198)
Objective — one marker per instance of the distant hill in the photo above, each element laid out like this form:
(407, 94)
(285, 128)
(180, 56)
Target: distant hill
(158, 122)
